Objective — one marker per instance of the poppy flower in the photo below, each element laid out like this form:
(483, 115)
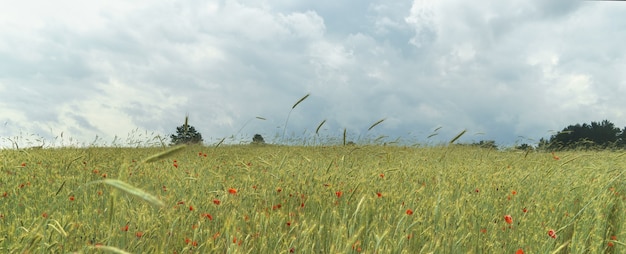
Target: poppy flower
(338, 193)
(519, 251)
(208, 216)
(382, 175)
(508, 219)
(72, 198)
(216, 201)
(232, 191)
(551, 233)
(409, 212)
(514, 192)
(379, 194)
(124, 228)
(190, 208)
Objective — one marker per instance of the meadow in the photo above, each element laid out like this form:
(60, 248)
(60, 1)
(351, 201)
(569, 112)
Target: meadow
(314, 199)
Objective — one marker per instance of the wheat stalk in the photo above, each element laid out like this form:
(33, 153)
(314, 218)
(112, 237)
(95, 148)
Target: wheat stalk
(319, 126)
(123, 186)
(376, 123)
(294, 106)
(164, 154)
(457, 136)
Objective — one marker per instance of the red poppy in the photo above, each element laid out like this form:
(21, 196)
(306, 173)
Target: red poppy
(551, 233)
(23, 164)
(409, 212)
(72, 198)
(190, 208)
(379, 194)
(382, 175)
(232, 191)
(124, 228)
(514, 192)
(524, 210)
(519, 251)
(45, 215)
(138, 234)
(508, 219)
(610, 244)
(208, 216)
(338, 193)
(216, 201)
(180, 202)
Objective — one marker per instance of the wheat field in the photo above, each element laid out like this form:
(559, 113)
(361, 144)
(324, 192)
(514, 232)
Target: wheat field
(315, 199)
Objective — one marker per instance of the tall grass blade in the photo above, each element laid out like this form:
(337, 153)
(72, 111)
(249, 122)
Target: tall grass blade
(300, 100)
(294, 106)
(457, 136)
(186, 125)
(344, 136)
(123, 186)
(376, 123)
(164, 154)
(219, 143)
(110, 249)
(319, 126)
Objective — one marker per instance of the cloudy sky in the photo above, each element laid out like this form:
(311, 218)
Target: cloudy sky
(512, 71)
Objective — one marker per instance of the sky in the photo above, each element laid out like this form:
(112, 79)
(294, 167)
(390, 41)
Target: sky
(128, 72)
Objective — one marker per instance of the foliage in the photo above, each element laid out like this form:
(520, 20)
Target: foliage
(586, 136)
(258, 139)
(333, 199)
(186, 134)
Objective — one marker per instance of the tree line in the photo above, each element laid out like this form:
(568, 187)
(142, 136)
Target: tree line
(595, 135)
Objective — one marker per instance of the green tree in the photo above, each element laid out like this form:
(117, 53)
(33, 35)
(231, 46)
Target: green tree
(595, 135)
(186, 134)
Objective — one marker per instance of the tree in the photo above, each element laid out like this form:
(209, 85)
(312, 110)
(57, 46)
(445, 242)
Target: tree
(258, 139)
(186, 134)
(595, 135)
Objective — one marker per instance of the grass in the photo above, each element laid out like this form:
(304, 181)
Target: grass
(333, 199)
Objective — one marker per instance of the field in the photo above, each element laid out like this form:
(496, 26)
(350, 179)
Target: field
(335, 199)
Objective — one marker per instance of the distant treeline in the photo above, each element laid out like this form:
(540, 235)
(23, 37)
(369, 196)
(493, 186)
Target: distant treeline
(597, 135)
